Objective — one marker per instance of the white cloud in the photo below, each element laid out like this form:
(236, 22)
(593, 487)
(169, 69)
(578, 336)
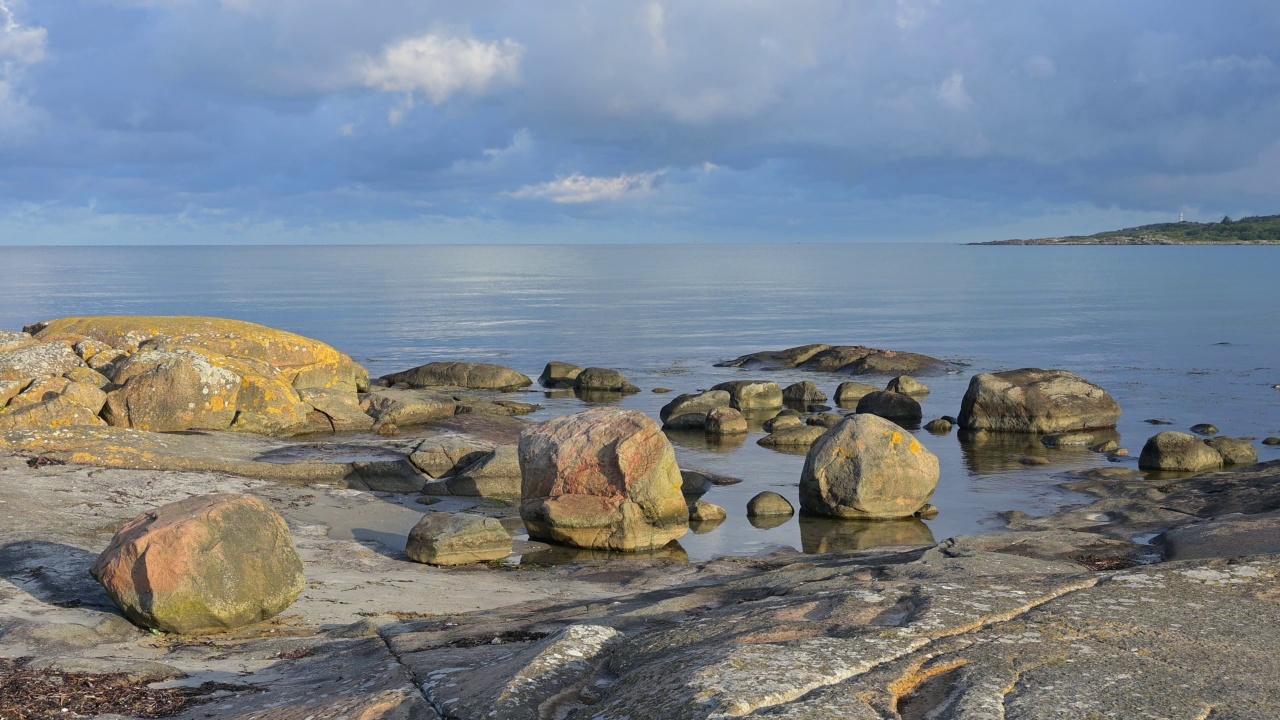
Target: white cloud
(583, 189)
(952, 93)
(440, 66)
(521, 147)
(19, 45)
(655, 21)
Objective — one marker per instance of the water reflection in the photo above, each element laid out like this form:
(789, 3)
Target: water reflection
(994, 452)
(768, 522)
(562, 554)
(824, 535)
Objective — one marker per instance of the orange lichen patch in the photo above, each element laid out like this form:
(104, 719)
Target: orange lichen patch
(37, 392)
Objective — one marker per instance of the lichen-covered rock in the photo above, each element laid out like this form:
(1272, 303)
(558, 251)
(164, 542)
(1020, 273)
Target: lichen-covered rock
(339, 411)
(1234, 451)
(849, 393)
(725, 421)
(594, 379)
(893, 406)
(10, 340)
(559, 375)
(476, 376)
(455, 539)
(868, 467)
(689, 411)
(207, 563)
(182, 390)
(35, 362)
(605, 478)
(1179, 452)
(1032, 400)
(749, 395)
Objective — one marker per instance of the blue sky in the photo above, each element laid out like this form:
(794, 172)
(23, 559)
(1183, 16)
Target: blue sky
(344, 121)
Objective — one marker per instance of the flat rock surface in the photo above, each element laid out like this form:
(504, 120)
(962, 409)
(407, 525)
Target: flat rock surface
(1059, 622)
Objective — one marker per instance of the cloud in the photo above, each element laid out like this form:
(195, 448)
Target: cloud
(579, 188)
(19, 45)
(441, 66)
(952, 93)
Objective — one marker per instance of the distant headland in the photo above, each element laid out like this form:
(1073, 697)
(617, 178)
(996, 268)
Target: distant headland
(1259, 230)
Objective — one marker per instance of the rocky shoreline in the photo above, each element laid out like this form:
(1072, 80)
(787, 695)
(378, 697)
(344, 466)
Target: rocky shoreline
(1158, 597)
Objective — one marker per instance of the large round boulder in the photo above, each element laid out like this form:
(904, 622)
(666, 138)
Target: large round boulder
(749, 395)
(471, 375)
(893, 406)
(605, 478)
(207, 563)
(595, 379)
(1032, 400)
(867, 467)
(1179, 452)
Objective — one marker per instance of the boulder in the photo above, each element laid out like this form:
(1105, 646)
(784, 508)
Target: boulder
(907, 385)
(1234, 451)
(939, 426)
(725, 421)
(559, 375)
(849, 393)
(495, 474)
(701, 511)
(892, 406)
(207, 563)
(868, 467)
(446, 454)
(803, 394)
(776, 360)
(749, 395)
(689, 411)
(769, 503)
(1032, 400)
(1204, 429)
(455, 539)
(472, 375)
(824, 420)
(862, 360)
(163, 391)
(1271, 441)
(339, 411)
(406, 407)
(1178, 451)
(595, 379)
(391, 475)
(783, 420)
(605, 478)
(799, 437)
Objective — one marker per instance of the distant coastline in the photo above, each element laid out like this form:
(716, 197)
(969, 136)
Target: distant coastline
(1259, 230)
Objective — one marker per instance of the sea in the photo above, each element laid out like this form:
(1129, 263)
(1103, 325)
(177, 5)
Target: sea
(1180, 334)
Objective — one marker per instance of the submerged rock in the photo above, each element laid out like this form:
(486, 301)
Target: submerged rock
(1178, 451)
(604, 478)
(868, 467)
(939, 426)
(457, 539)
(798, 437)
(210, 562)
(1204, 429)
(1032, 400)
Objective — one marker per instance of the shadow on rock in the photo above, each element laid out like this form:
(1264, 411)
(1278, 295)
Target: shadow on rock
(53, 573)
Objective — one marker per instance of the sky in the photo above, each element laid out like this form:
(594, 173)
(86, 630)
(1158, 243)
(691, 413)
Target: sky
(563, 121)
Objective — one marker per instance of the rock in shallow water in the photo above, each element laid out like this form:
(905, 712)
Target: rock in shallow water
(207, 563)
(473, 375)
(1032, 400)
(893, 406)
(868, 467)
(605, 478)
(1178, 452)
(769, 504)
(748, 395)
(689, 411)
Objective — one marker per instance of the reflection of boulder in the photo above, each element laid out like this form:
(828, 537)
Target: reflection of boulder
(822, 535)
(564, 555)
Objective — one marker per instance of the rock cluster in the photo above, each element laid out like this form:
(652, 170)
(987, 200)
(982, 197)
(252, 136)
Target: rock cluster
(175, 373)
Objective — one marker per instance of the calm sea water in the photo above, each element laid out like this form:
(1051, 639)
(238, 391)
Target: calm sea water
(1189, 334)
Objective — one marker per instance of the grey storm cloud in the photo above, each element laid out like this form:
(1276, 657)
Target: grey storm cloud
(877, 119)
